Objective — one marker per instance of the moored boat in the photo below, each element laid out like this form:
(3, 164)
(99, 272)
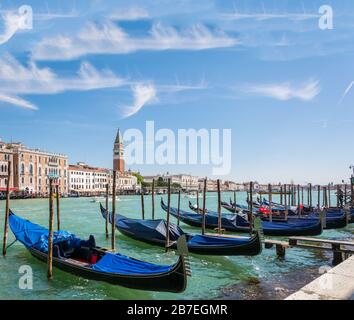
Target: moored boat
(85, 259)
(155, 231)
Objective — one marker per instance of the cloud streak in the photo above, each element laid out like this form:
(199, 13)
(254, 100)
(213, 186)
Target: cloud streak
(346, 92)
(17, 79)
(142, 95)
(12, 24)
(108, 38)
(287, 91)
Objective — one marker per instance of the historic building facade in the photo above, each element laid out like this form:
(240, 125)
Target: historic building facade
(87, 180)
(31, 168)
(6, 155)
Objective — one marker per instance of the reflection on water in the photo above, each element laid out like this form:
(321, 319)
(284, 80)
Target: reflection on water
(212, 277)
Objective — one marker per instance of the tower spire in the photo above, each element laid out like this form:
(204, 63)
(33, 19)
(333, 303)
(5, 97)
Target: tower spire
(118, 153)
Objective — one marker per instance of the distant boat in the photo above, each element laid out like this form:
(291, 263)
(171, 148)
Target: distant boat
(102, 199)
(236, 223)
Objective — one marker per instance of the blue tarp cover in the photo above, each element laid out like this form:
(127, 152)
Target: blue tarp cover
(146, 229)
(116, 263)
(33, 235)
(200, 240)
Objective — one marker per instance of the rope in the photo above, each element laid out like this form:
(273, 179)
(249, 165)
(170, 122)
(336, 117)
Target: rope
(11, 244)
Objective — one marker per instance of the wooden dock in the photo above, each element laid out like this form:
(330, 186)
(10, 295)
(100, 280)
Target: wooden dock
(342, 250)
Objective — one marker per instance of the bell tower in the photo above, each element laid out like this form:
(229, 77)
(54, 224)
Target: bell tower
(118, 153)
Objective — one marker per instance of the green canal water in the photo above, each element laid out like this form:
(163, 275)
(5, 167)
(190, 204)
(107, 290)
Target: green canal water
(212, 277)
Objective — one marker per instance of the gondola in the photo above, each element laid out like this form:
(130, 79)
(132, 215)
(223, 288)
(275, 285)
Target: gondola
(85, 259)
(154, 232)
(296, 228)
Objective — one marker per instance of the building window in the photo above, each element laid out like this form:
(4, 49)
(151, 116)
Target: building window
(31, 169)
(22, 168)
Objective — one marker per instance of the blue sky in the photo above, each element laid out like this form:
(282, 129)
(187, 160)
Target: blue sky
(261, 68)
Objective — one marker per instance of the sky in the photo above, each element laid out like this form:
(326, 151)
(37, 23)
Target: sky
(264, 69)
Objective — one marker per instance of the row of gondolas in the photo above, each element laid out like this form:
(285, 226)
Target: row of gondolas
(84, 258)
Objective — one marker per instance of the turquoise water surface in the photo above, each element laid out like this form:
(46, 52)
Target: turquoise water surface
(82, 217)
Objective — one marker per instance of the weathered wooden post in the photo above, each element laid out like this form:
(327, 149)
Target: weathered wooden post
(153, 199)
(326, 197)
(319, 197)
(281, 194)
(204, 205)
(113, 224)
(270, 202)
(142, 205)
(107, 210)
(235, 201)
(352, 191)
(310, 195)
(345, 194)
(302, 195)
(338, 205)
(250, 218)
(168, 214)
(7, 209)
(329, 195)
(58, 205)
(298, 200)
(219, 207)
(178, 207)
(285, 204)
(198, 201)
(50, 235)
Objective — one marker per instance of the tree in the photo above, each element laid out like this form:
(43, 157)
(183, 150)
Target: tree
(139, 177)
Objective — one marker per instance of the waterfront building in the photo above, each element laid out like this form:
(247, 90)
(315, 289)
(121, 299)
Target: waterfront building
(31, 168)
(87, 180)
(186, 181)
(6, 155)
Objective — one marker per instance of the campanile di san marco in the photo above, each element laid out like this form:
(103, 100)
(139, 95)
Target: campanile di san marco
(118, 154)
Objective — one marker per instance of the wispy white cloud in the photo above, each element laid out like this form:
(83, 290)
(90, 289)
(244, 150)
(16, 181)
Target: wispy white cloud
(12, 23)
(111, 39)
(13, 100)
(142, 94)
(17, 79)
(129, 14)
(269, 16)
(287, 91)
(346, 91)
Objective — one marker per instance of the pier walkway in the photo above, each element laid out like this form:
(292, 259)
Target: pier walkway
(336, 284)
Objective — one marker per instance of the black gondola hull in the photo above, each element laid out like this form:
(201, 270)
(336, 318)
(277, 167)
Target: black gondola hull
(173, 281)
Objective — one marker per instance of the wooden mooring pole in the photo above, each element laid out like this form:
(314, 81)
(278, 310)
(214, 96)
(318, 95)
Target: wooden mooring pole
(153, 199)
(285, 204)
(235, 202)
(168, 214)
(310, 195)
(270, 202)
(178, 207)
(299, 205)
(142, 205)
(329, 195)
(50, 235)
(107, 210)
(113, 224)
(204, 205)
(7, 209)
(281, 194)
(250, 217)
(219, 207)
(319, 197)
(58, 205)
(198, 200)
